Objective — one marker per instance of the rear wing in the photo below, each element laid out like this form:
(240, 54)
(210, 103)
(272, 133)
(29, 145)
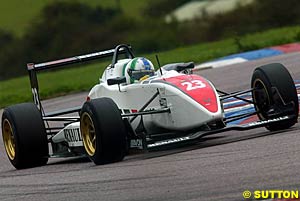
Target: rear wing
(34, 68)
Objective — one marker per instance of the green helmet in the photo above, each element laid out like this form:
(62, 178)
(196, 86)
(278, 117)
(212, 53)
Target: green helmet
(138, 69)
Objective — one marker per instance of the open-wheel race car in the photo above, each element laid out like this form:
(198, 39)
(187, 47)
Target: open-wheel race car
(137, 107)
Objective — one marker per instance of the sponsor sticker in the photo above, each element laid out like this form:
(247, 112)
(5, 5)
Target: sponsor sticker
(73, 137)
(257, 123)
(136, 143)
(170, 141)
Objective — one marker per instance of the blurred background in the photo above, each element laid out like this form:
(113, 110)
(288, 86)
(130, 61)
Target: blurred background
(45, 30)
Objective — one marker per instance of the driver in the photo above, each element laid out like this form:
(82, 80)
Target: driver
(138, 69)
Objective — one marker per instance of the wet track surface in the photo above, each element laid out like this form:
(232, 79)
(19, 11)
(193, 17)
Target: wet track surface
(220, 167)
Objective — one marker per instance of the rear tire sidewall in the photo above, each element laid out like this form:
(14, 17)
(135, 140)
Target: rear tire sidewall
(28, 129)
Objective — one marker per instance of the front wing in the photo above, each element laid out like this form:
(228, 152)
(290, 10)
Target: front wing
(194, 137)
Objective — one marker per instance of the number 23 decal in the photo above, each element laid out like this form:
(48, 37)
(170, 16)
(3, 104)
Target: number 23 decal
(194, 84)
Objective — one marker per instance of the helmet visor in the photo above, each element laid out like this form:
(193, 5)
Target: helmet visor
(138, 74)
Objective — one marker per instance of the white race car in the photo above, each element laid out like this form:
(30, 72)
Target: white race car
(136, 107)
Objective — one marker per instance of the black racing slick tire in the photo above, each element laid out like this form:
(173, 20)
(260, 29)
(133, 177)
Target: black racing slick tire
(24, 136)
(103, 131)
(273, 87)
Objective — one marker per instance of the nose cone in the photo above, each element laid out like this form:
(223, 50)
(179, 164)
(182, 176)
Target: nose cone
(198, 89)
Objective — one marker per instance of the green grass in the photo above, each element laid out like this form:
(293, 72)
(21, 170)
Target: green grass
(83, 78)
(16, 15)
(272, 37)
(51, 84)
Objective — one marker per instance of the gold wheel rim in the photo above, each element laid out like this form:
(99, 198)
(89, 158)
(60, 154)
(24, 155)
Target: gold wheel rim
(9, 140)
(88, 133)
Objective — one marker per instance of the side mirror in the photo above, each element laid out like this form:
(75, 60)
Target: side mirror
(117, 80)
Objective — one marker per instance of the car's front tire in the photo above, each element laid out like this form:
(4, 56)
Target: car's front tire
(271, 83)
(103, 131)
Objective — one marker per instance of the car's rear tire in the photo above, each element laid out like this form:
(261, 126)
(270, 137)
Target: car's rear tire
(277, 76)
(24, 136)
(103, 131)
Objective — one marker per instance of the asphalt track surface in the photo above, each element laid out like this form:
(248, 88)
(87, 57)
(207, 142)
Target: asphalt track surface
(220, 167)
